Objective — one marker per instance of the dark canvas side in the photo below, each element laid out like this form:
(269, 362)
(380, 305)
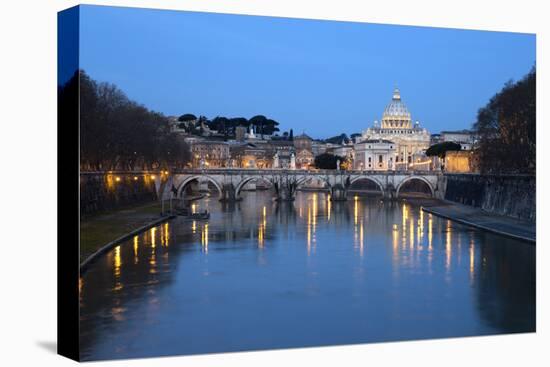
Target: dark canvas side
(68, 183)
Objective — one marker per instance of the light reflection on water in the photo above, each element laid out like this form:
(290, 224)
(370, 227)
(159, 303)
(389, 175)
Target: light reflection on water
(262, 275)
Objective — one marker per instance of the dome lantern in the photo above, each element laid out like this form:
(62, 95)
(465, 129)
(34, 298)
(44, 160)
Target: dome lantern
(396, 94)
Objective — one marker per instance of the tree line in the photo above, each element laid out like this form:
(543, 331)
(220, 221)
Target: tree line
(227, 126)
(506, 129)
(117, 133)
(330, 161)
(441, 149)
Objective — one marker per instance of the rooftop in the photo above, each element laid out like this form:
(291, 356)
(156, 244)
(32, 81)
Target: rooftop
(464, 131)
(303, 136)
(373, 141)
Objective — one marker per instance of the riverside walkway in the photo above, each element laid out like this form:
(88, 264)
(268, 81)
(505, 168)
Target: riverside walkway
(478, 218)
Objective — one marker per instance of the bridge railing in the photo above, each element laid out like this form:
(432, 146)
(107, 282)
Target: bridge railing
(267, 171)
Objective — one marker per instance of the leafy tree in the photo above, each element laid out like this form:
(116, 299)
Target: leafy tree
(219, 124)
(441, 149)
(238, 121)
(117, 133)
(259, 121)
(270, 127)
(187, 117)
(264, 125)
(227, 126)
(506, 129)
(328, 161)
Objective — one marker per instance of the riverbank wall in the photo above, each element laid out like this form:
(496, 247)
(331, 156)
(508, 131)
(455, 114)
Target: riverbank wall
(510, 195)
(101, 192)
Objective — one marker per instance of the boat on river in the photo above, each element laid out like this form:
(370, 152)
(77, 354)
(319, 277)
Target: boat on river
(186, 212)
(200, 216)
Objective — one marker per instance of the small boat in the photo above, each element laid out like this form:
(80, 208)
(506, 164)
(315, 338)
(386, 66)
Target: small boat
(200, 216)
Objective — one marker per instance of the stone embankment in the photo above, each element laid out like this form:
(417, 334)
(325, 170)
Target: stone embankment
(508, 195)
(501, 204)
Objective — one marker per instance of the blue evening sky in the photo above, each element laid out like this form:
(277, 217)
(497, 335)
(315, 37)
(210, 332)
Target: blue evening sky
(321, 77)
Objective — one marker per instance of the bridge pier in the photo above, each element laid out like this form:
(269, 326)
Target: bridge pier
(228, 193)
(338, 193)
(285, 188)
(285, 193)
(390, 193)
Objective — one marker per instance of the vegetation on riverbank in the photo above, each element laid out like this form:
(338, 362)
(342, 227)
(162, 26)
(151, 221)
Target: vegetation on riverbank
(117, 132)
(103, 228)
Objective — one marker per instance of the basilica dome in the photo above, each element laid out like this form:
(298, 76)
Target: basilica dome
(396, 108)
(396, 113)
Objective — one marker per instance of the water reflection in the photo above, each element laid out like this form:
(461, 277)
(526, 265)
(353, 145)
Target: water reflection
(361, 270)
(136, 248)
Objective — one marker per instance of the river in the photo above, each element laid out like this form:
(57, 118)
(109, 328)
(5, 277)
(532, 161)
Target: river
(264, 275)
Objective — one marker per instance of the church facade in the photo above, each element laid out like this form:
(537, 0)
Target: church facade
(395, 143)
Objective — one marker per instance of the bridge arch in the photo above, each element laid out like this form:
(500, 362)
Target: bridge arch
(367, 178)
(243, 183)
(417, 178)
(305, 179)
(190, 179)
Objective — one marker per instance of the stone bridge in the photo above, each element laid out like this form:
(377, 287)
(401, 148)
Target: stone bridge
(231, 181)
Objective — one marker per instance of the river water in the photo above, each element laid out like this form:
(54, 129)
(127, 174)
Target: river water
(264, 275)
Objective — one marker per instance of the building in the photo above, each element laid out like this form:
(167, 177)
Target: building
(318, 147)
(249, 155)
(375, 155)
(240, 133)
(303, 148)
(184, 126)
(302, 141)
(465, 138)
(284, 155)
(250, 135)
(345, 150)
(304, 159)
(435, 139)
(459, 161)
(210, 154)
(409, 141)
